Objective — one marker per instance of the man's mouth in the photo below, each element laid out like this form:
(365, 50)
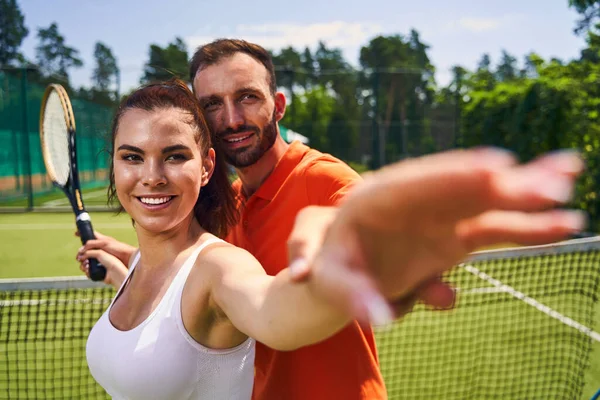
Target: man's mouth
(237, 139)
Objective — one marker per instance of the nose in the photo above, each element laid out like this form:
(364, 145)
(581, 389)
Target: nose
(233, 117)
(154, 174)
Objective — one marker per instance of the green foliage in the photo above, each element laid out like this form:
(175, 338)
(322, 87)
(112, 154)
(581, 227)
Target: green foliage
(555, 109)
(166, 63)
(589, 11)
(12, 32)
(53, 55)
(106, 71)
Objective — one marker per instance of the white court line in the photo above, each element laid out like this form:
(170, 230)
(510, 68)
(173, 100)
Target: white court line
(37, 227)
(64, 201)
(532, 302)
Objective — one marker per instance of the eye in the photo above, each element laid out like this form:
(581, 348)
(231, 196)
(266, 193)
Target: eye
(248, 97)
(211, 105)
(131, 157)
(177, 157)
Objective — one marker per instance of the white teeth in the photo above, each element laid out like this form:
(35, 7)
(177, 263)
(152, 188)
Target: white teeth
(154, 200)
(238, 139)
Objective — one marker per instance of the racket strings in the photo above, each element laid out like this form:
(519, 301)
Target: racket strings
(56, 140)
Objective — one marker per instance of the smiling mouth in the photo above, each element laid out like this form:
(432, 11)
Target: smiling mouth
(155, 201)
(238, 139)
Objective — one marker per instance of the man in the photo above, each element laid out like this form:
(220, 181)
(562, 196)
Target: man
(234, 82)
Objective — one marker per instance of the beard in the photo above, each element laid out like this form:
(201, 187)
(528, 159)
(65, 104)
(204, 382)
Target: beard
(245, 157)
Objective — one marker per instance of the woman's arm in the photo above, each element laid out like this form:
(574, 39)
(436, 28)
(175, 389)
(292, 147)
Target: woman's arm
(271, 309)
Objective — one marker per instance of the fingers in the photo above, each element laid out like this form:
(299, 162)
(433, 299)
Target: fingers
(337, 279)
(521, 228)
(87, 254)
(84, 266)
(95, 244)
(532, 187)
(96, 233)
(434, 293)
(437, 294)
(469, 182)
(567, 162)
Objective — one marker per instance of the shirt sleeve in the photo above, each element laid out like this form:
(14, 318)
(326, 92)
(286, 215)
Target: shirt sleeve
(328, 181)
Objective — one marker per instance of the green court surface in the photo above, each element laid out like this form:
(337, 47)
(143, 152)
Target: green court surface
(40, 244)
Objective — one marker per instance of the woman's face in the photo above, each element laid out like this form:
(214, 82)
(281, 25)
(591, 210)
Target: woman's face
(159, 168)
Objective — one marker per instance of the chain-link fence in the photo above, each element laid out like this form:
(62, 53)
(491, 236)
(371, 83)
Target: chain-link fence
(22, 172)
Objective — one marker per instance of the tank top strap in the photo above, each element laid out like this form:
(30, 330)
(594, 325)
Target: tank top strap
(135, 261)
(187, 266)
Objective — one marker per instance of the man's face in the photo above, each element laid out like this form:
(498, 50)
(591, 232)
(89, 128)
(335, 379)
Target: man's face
(239, 107)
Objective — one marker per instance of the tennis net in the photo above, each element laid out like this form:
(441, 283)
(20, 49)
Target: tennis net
(523, 328)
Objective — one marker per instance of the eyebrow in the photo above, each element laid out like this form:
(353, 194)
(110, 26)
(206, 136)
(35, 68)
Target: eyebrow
(168, 149)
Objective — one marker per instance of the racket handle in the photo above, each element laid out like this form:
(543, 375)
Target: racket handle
(86, 232)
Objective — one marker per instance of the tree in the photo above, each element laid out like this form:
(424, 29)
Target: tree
(590, 14)
(166, 63)
(533, 63)
(53, 55)
(12, 32)
(507, 69)
(402, 89)
(106, 70)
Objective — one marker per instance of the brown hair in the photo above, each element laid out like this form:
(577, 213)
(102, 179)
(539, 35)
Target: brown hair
(219, 49)
(215, 208)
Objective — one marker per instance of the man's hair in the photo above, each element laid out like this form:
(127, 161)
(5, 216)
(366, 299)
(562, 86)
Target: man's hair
(212, 53)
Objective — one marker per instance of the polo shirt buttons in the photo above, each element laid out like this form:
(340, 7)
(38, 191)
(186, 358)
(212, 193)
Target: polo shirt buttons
(245, 223)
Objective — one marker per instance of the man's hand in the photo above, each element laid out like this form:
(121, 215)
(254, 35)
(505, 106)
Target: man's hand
(396, 232)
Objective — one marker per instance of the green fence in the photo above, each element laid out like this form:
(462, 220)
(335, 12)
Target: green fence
(22, 171)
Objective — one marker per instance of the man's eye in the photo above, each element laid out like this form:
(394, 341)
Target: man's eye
(211, 105)
(249, 96)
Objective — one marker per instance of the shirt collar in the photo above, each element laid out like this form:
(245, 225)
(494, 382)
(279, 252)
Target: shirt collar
(291, 158)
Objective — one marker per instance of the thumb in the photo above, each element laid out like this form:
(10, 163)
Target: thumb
(352, 290)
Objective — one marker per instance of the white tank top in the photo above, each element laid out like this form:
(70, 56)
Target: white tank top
(158, 359)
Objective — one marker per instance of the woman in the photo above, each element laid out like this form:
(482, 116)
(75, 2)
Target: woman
(184, 320)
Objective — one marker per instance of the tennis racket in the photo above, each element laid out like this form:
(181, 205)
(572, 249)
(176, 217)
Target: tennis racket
(57, 134)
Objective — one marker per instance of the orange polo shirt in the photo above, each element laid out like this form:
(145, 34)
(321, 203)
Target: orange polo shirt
(345, 366)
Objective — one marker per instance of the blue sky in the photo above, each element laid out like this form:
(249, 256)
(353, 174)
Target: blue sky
(458, 31)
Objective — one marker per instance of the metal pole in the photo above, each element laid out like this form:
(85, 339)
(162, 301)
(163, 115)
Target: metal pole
(26, 139)
(376, 132)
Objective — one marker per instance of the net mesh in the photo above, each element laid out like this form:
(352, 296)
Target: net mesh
(515, 341)
(56, 140)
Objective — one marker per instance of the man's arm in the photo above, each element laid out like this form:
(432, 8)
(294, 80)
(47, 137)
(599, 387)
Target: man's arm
(397, 231)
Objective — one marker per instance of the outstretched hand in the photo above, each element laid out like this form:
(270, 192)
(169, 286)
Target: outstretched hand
(406, 224)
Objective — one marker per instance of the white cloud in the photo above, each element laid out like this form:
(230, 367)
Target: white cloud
(484, 24)
(345, 35)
